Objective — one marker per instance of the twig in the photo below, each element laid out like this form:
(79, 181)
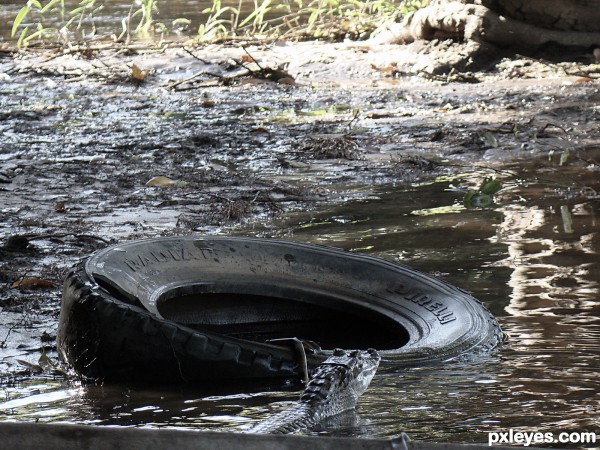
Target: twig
(10, 330)
(220, 197)
(552, 125)
(34, 237)
(189, 52)
(354, 118)
(261, 69)
(193, 77)
(545, 63)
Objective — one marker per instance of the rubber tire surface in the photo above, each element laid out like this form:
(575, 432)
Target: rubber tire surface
(111, 326)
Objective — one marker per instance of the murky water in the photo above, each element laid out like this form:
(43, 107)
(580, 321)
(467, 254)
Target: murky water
(532, 258)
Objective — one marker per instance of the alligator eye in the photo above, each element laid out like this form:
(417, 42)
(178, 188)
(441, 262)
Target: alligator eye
(338, 352)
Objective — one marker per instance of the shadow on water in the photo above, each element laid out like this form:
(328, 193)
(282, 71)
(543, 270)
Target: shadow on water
(532, 258)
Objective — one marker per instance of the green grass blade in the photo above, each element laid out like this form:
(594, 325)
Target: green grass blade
(49, 5)
(20, 16)
(22, 36)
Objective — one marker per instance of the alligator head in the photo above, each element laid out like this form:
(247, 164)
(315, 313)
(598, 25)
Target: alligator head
(341, 379)
(334, 388)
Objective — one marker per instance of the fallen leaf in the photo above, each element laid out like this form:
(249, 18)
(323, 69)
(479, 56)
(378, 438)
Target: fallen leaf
(386, 70)
(46, 363)
(261, 130)
(33, 367)
(138, 73)
(32, 283)
(379, 114)
(161, 181)
(164, 182)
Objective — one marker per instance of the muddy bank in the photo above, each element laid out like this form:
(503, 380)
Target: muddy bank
(105, 145)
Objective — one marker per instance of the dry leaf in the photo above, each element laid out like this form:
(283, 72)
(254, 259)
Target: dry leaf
(32, 283)
(46, 363)
(161, 181)
(164, 182)
(386, 70)
(138, 73)
(261, 130)
(35, 368)
(382, 114)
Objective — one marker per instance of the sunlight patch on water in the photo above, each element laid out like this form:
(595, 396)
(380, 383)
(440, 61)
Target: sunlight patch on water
(532, 258)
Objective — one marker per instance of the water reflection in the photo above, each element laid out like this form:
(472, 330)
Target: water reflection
(533, 260)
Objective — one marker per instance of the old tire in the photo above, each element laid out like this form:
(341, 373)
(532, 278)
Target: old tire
(194, 308)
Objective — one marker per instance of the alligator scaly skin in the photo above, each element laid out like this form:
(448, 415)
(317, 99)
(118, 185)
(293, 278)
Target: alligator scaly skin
(334, 388)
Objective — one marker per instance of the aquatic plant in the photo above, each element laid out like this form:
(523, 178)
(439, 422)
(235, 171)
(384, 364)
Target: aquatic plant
(146, 10)
(283, 19)
(36, 12)
(77, 24)
(484, 196)
(301, 19)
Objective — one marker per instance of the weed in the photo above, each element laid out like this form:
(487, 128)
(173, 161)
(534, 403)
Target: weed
(320, 19)
(77, 24)
(146, 11)
(289, 19)
(484, 196)
(37, 14)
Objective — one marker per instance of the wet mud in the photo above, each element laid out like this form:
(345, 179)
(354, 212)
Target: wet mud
(104, 145)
